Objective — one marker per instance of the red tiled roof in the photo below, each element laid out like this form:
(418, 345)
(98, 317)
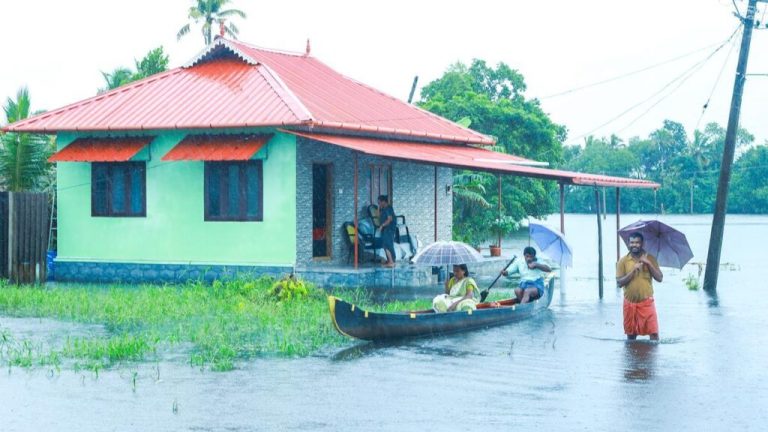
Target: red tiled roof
(217, 148)
(101, 149)
(234, 85)
(478, 159)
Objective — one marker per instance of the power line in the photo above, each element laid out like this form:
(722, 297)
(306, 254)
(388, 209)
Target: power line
(628, 74)
(684, 76)
(717, 81)
(682, 81)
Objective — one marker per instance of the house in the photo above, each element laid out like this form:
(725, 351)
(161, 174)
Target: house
(249, 160)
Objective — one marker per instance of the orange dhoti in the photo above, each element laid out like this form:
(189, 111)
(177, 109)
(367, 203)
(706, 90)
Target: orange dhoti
(640, 318)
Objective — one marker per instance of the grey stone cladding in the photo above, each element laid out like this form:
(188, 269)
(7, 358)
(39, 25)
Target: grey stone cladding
(132, 273)
(413, 196)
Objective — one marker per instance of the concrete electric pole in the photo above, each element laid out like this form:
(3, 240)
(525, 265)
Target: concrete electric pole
(718, 221)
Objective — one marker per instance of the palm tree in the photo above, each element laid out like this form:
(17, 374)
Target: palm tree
(116, 78)
(210, 11)
(469, 188)
(23, 157)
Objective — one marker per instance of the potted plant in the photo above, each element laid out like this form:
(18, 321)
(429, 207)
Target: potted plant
(501, 227)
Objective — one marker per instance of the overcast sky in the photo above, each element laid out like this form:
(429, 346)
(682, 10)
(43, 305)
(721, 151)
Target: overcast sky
(58, 48)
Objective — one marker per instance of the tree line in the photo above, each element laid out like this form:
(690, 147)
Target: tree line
(686, 167)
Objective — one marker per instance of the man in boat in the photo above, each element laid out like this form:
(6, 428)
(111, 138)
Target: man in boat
(634, 273)
(532, 274)
(461, 292)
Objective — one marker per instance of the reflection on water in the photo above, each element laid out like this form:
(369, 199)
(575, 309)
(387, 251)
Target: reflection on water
(640, 360)
(365, 349)
(569, 368)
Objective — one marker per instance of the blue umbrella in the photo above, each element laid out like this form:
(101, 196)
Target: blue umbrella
(447, 253)
(551, 243)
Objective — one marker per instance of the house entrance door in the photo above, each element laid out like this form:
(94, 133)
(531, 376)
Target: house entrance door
(321, 210)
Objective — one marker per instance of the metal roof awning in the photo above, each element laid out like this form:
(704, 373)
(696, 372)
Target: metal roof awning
(101, 149)
(472, 158)
(217, 148)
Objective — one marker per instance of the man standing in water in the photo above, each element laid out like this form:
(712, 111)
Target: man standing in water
(633, 273)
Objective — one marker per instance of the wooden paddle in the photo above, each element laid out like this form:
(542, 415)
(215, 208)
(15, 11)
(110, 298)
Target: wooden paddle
(484, 293)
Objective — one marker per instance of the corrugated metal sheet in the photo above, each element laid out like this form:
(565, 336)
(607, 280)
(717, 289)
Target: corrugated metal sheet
(337, 101)
(478, 159)
(217, 148)
(101, 149)
(234, 85)
(222, 94)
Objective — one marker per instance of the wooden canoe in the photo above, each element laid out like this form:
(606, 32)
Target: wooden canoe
(354, 322)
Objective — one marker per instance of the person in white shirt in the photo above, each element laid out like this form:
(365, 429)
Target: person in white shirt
(532, 275)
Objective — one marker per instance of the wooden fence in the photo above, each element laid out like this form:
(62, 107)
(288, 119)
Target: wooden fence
(24, 229)
(4, 235)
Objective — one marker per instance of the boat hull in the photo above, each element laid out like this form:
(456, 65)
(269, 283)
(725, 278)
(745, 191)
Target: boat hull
(354, 322)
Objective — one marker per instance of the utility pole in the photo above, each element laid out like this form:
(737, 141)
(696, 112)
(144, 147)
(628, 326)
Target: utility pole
(413, 88)
(718, 221)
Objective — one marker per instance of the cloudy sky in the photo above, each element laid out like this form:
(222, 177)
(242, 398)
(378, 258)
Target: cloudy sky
(679, 47)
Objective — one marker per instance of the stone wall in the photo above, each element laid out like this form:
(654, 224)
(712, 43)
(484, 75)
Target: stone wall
(413, 196)
(132, 273)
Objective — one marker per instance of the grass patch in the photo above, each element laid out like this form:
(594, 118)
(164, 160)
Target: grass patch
(222, 322)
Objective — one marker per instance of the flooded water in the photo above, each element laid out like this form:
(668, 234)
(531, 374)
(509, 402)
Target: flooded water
(568, 368)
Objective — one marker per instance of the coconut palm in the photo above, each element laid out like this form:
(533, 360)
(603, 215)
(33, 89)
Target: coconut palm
(209, 12)
(116, 78)
(23, 157)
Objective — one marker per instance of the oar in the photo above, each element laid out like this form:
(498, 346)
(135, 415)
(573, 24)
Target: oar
(484, 293)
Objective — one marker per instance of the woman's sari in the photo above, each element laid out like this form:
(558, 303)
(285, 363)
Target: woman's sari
(457, 290)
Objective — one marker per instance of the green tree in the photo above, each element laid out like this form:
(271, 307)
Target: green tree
(749, 191)
(23, 157)
(118, 77)
(155, 61)
(687, 169)
(207, 12)
(607, 156)
(493, 99)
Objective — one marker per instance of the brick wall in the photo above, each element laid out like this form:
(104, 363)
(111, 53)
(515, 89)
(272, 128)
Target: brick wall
(413, 196)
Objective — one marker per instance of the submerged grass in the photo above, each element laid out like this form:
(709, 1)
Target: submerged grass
(223, 322)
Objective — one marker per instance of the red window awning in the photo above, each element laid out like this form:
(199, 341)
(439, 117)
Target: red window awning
(472, 158)
(101, 149)
(217, 148)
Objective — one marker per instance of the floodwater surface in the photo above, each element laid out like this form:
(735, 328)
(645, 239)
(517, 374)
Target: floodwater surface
(568, 368)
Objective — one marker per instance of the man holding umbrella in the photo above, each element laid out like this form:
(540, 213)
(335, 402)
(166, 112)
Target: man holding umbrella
(635, 273)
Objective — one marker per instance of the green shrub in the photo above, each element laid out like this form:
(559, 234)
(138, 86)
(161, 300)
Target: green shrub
(289, 288)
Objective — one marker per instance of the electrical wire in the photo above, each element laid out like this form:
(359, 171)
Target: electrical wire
(629, 74)
(684, 76)
(682, 81)
(717, 81)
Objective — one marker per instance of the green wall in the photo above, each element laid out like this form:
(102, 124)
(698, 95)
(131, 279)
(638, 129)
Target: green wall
(174, 230)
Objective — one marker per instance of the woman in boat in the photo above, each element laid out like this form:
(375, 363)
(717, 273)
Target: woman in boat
(461, 292)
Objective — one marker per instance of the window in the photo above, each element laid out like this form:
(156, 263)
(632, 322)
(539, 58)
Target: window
(380, 182)
(119, 189)
(233, 191)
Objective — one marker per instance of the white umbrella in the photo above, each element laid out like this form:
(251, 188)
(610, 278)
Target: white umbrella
(447, 253)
